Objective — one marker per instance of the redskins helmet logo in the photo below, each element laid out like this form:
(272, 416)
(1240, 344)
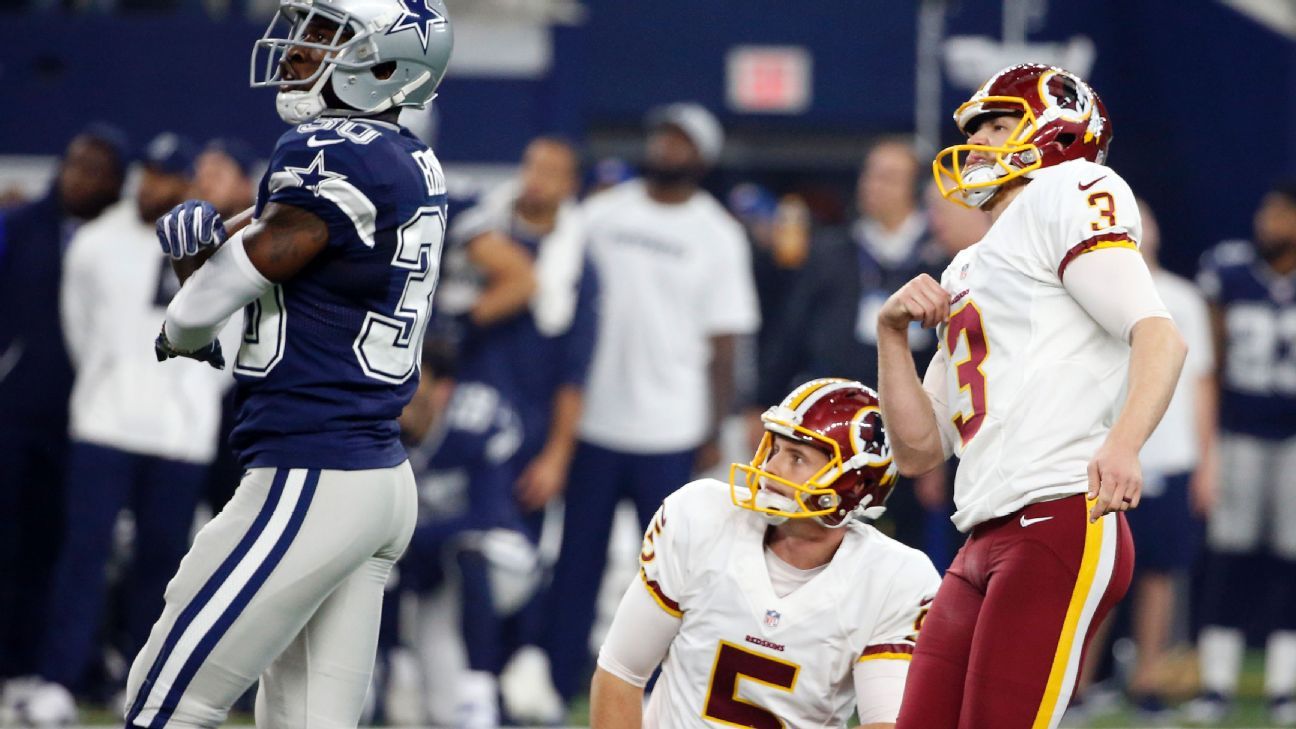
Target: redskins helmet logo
(1065, 96)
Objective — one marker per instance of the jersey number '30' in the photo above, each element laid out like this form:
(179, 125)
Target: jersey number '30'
(388, 346)
(733, 663)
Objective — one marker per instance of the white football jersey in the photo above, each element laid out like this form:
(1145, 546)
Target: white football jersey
(744, 656)
(1031, 382)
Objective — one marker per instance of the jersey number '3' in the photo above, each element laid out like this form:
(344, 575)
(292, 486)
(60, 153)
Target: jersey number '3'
(388, 346)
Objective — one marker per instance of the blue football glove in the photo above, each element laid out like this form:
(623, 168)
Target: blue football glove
(189, 227)
(211, 353)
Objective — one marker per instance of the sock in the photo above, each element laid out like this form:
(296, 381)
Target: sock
(1220, 655)
(1280, 664)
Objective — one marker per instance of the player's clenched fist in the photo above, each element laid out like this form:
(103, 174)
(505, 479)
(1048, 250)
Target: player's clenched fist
(921, 300)
(189, 227)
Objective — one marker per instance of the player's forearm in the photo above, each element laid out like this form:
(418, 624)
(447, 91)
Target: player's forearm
(1207, 403)
(722, 381)
(510, 278)
(1157, 354)
(614, 704)
(567, 405)
(225, 285)
(906, 409)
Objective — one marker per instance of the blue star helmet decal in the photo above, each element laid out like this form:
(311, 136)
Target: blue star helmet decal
(421, 17)
(310, 178)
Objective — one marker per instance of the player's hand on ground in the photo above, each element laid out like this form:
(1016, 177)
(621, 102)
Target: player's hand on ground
(190, 227)
(1115, 480)
(542, 479)
(921, 300)
(211, 353)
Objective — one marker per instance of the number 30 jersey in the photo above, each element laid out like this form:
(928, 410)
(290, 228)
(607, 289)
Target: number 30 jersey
(744, 656)
(1031, 383)
(330, 357)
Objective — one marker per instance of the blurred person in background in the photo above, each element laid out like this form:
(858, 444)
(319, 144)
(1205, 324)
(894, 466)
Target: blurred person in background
(519, 283)
(36, 382)
(850, 272)
(779, 231)
(142, 438)
(676, 289)
(609, 172)
(1179, 482)
(1251, 288)
(223, 175)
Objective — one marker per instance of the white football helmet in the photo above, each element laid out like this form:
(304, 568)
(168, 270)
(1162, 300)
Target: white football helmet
(384, 54)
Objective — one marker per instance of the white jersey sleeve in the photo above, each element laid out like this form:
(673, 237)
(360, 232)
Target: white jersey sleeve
(1089, 208)
(889, 642)
(730, 306)
(664, 560)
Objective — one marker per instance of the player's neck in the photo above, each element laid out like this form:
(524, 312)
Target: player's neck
(999, 203)
(891, 220)
(1283, 265)
(804, 544)
(539, 220)
(670, 194)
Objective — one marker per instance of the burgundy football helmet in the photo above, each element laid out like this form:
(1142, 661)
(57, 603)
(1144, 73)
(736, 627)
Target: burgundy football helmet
(841, 418)
(1060, 118)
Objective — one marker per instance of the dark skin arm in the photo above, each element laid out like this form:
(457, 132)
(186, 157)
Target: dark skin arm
(280, 243)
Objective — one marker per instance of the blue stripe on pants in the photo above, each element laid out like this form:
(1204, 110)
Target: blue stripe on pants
(241, 600)
(208, 590)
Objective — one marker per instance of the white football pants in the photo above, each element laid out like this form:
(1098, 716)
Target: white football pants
(285, 585)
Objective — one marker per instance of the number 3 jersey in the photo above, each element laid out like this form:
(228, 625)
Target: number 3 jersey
(330, 357)
(744, 656)
(1031, 382)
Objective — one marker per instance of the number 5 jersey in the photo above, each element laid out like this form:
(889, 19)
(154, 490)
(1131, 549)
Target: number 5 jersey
(330, 357)
(743, 655)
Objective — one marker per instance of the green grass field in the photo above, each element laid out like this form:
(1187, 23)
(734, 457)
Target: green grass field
(1249, 711)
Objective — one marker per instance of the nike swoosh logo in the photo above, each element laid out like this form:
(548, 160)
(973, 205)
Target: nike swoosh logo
(1082, 186)
(1027, 522)
(313, 142)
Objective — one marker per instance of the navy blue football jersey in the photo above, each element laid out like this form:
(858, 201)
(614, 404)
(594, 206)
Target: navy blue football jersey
(525, 365)
(1258, 389)
(331, 357)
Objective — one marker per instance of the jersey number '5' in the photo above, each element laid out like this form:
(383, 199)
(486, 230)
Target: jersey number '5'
(388, 346)
(733, 663)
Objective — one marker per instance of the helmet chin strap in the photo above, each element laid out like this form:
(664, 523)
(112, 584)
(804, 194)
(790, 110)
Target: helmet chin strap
(299, 107)
(979, 196)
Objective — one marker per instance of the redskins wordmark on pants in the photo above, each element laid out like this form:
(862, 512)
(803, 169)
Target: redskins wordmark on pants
(285, 585)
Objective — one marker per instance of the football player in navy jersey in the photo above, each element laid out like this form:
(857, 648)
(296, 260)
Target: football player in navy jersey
(334, 271)
(1251, 289)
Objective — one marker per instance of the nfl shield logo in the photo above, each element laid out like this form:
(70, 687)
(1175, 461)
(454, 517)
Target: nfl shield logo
(964, 271)
(771, 618)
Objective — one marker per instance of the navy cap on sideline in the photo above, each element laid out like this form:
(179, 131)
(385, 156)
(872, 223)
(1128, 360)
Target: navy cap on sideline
(111, 137)
(237, 150)
(170, 154)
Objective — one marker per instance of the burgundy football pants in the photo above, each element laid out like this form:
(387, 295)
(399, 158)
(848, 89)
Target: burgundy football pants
(1003, 642)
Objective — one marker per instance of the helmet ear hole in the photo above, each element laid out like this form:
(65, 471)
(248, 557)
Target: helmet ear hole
(384, 71)
(1065, 140)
